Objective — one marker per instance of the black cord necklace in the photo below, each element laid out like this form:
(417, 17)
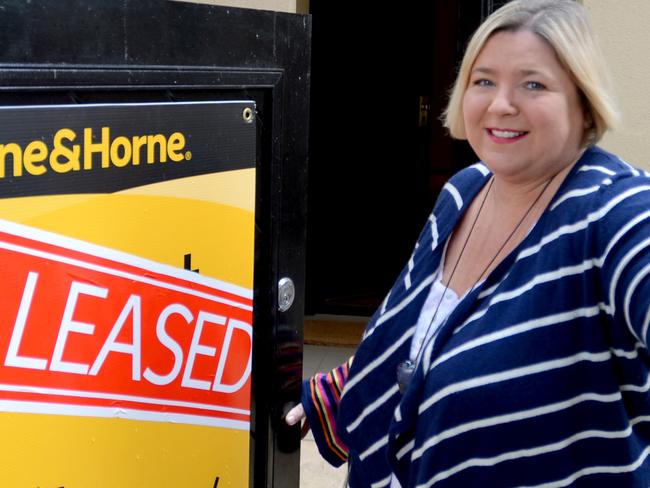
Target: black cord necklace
(406, 368)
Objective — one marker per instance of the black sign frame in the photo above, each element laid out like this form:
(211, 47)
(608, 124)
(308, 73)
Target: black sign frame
(130, 51)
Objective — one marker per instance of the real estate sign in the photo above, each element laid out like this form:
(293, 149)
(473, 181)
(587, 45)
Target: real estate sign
(126, 259)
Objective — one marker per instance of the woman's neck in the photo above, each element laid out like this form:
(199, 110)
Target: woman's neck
(498, 220)
(514, 194)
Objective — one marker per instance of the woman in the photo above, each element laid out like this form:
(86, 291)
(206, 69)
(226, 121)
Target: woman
(519, 327)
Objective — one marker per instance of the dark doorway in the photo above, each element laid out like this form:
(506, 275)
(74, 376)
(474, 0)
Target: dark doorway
(378, 153)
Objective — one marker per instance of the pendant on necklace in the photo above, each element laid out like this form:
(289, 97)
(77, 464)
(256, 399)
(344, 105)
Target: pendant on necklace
(405, 371)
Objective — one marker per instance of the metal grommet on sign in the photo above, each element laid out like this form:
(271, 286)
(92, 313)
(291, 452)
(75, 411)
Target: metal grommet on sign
(247, 115)
(286, 294)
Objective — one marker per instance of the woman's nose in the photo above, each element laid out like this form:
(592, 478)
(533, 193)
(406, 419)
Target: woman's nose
(503, 103)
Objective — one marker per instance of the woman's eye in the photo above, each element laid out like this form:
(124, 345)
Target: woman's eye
(534, 85)
(482, 82)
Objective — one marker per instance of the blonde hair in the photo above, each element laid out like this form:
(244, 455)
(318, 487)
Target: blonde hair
(564, 25)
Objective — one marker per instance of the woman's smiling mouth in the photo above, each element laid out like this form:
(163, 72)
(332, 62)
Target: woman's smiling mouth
(505, 135)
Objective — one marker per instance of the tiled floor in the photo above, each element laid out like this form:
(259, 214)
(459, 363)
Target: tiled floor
(314, 471)
(323, 358)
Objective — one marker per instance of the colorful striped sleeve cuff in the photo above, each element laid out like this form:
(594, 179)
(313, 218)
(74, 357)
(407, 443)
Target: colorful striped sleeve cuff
(321, 395)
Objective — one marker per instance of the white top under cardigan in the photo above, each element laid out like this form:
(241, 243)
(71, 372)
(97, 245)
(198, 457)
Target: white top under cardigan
(448, 300)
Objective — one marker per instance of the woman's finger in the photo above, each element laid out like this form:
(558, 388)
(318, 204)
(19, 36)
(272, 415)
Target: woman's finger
(295, 415)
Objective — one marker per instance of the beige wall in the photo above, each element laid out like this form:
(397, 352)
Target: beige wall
(292, 6)
(622, 27)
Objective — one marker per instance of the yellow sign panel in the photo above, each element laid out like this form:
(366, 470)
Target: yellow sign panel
(126, 333)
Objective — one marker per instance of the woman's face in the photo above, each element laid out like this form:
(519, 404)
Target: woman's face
(522, 112)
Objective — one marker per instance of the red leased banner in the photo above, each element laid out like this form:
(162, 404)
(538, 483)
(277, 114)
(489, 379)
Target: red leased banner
(86, 330)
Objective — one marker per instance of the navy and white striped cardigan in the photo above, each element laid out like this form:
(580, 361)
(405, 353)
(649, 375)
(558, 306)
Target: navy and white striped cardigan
(540, 377)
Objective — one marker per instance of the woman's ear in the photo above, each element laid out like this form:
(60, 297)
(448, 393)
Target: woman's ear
(589, 128)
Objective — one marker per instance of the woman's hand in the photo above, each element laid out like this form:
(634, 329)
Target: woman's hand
(295, 415)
